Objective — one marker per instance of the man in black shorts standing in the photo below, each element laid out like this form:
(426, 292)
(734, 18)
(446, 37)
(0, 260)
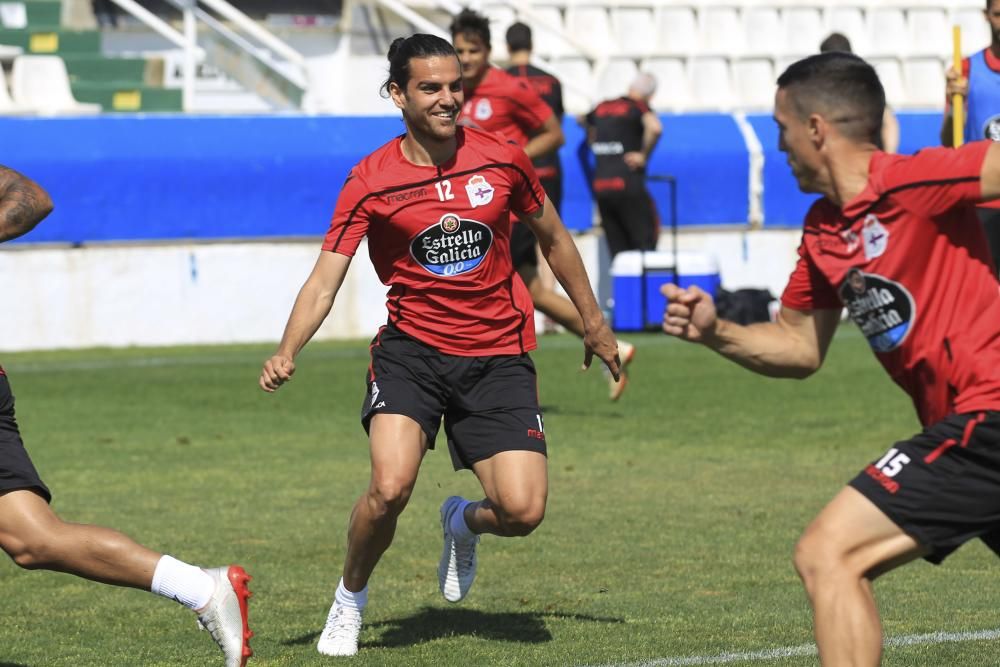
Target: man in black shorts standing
(436, 206)
(896, 240)
(498, 102)
(37, 539)
(622, 134)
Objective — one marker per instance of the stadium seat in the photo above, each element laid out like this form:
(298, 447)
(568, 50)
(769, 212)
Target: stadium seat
(577, 80)
(677, 31)
(13, 15)
(929, 32)
(42, 83)
(7, 105)
(762, 27)
(720, 31)
(614, 80)
(975, 29)
(803, 30)
(635, 31)
(711, 83)
(924, 81)
(755, 83)
(546, 21)
(501, 17)
(887, 34)
(891, 75)
(591, 26)
(850, 22)
(673, 89)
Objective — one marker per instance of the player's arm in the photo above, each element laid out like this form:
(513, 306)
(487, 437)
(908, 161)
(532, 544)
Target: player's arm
(547, 139)
(23, 204)
(312, 305)
(793, 346)
(652, 129)
(564, 259)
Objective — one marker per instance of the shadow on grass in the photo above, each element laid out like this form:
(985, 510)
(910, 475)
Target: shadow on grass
(434, 623)
(12, 664)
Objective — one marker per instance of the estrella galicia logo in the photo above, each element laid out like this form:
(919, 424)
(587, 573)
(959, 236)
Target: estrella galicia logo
(453, 246)
(882, 309)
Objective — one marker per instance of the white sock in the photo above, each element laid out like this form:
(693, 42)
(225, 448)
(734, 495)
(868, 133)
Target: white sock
(458, 527)
(187, 584)
(348, 599)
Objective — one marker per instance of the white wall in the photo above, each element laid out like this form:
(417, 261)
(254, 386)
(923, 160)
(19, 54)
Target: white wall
(175, 294)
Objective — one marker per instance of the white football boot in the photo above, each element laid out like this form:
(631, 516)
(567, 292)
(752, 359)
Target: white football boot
(457, 569)
(626, 352)
(226, 616)
(340, 634)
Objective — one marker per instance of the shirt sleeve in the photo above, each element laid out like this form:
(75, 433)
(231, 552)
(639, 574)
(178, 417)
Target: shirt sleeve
(350, 218)
(529, 109)
(807, 288)
(526, 195)
(935, 180)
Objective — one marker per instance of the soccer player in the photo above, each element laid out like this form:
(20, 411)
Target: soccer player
(622, 134)
(37, 539)
(436, 206)
(895, 239)
(498, 102)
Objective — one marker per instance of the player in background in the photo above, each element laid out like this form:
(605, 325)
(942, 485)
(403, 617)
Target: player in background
(36, 538)
(979, 84)
(498, 102)
(436, 207)
(895, 239)
(622, 134)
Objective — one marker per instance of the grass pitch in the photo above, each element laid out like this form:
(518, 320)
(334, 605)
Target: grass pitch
(669, 531)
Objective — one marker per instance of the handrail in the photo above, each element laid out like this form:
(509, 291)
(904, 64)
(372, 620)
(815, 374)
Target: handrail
(160, 26)
(226, 10)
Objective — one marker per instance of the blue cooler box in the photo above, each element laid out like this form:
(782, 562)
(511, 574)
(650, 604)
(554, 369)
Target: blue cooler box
(636, 279)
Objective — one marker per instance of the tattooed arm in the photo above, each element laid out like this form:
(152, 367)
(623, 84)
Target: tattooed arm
(23, 204)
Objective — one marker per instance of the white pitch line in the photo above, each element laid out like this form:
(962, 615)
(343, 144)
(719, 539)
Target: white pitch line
(809, 649)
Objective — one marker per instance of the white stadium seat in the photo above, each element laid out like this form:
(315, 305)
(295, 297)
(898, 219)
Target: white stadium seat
(673, 89)
(924, 81)
(579, 95)
(887, 34)
(975, 29)
(850, 22)
(42, 83)
(929, 32)
(7, 105)
(803, 30)
(677, 31)
(635, 31)
(616, 77)
(501, 17)
(762, 27)
(590, 26)
(720, 31)
(891, 74)
(545, 40)
(711, 83)
(755, 83)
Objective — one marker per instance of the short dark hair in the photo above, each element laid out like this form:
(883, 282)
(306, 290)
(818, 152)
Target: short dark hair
(470, 22)
(404, 49)
(518, 37)
(842, 88)
(835, 42)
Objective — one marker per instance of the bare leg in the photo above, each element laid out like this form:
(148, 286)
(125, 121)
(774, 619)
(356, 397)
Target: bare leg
(36, 539)
(842, 550)
(516, 487)
(398, 445)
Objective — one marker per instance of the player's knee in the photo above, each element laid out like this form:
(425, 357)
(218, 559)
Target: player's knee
(388, 495)
(34, 553)
(521, 518)
(817, 560)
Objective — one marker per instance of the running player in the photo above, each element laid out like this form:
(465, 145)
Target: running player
(436, 206)
(498, 102)
(896, 240)
(37, 539)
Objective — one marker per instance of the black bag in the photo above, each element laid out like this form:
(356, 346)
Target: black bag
(744, 306)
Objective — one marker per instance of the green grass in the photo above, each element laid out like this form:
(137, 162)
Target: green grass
(669, 531)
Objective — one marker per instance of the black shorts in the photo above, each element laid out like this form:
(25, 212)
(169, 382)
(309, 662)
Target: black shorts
(16, 469)
(489, 404)
(629, 220)
(522, 246)
(942, 486)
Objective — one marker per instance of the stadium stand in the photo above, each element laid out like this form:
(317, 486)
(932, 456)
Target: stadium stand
(41, 83)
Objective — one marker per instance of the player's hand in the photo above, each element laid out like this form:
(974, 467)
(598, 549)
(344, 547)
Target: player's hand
(634, 160)
(277, 371)
(690, 313)
(955, 83)
(601, 341)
